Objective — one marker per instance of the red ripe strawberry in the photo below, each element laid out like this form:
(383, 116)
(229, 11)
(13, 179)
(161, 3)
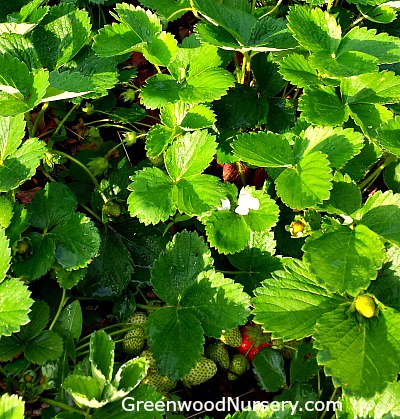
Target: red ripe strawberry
(253, 339)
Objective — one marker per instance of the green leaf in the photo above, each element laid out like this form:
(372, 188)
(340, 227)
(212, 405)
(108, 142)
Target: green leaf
(345, 260)
(369, 116)
(198, 117)
(382, 87)
(109, 273)
(169, 9)
(269, 370)
(299, 394)
(190, 154)
(296, 69)
(362, 356)
(306, 184)
(11, 407)
(68, 85)
(68, 279)
(20, 89)
(69, 324)
(263, 149)
(48, 346)
(10, 347)
(320, 105)
(77, 241)
(113, 40)
(5, 253)
(15, 303)
(290, 304)
(62, 37)
(176, 340)
(6, 214)
(161, 50)
(380, 214)
(158, 139)
(12, 130)
(151, 197)
(39, 259)
(339, 145)
(84, 390)
(39, 317)
(314, 29)
(101, 356)
(130, 374)
(51, 205)
(303, 365)
(179, 265)
(388, 135)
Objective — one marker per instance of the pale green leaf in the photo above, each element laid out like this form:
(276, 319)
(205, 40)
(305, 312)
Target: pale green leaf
(169, 9)
(296, 69)
(12, 130)
(389, 135)
(314, 29)
(101, 357)
(263, 149)
(160, 90)
(161, 50)
(339, 145)
(198, 117)
(362, 356)
(158, 138)
(20, 47)
(115, 39)
(369, 116)
(5, 253)
(130, 374)
(15, 303)
(48, 346)
(151, 196)
(84, 390)
(11, 407)
(176, 340)
(6, 213)
(51, 205)
(290, 304)
(306, 184)
(61, 38)
(179, 265)
(190, 154)
(67, 85)
(77, 241)
(345, 260)
(320, 105)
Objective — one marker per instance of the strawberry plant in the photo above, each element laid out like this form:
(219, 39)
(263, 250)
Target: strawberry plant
(199, 197)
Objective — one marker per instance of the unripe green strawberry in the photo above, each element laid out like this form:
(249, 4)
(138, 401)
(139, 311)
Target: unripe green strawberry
(365, 305)
(162, 383)
(218, 353)
(134, 341)
(202, 372)
(157, 161)
(238, 366)
(112, 209)
(23, 247)
(139, 317)
(232, 338)
(148, 356)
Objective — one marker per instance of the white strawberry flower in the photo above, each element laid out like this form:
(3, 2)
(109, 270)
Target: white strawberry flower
(246, 202)
(225, 205)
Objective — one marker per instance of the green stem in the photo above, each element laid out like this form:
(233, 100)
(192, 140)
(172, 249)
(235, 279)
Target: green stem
(232, 272)
(239, 166)
(60, 307)
(63, 406)
(331, 398)
(38, 118)
(369, 180)
(272, 10)
(61, 124)
(28, 124)
(148, 307)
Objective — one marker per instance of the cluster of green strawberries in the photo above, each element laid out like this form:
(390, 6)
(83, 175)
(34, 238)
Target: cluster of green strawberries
(248, 341)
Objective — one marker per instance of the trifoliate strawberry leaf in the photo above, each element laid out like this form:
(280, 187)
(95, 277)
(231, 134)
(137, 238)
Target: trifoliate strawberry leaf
(179, 265)
(39, 258)
(314, 29)
(109, 274)
(48, 346)
(190, 154)
(307, 184)
(77, 241)
(62, 36)
(339, 145)
(263, 149)
(345, 260)
(388, 135)
(151, 196)
(218, 302)
(361, 355)
(51, 205)
(20, 90)
(296, 69)
(11, 407)
(101, 356)
(320, 105)
(114, 40)
(169, 9)
(369, 116)
(5, 253)
(159, 91)
(381, 88)
(381, 215)
(197, 194)
(345, 196)
(290, 304)
(176, 340)
(15, 303)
